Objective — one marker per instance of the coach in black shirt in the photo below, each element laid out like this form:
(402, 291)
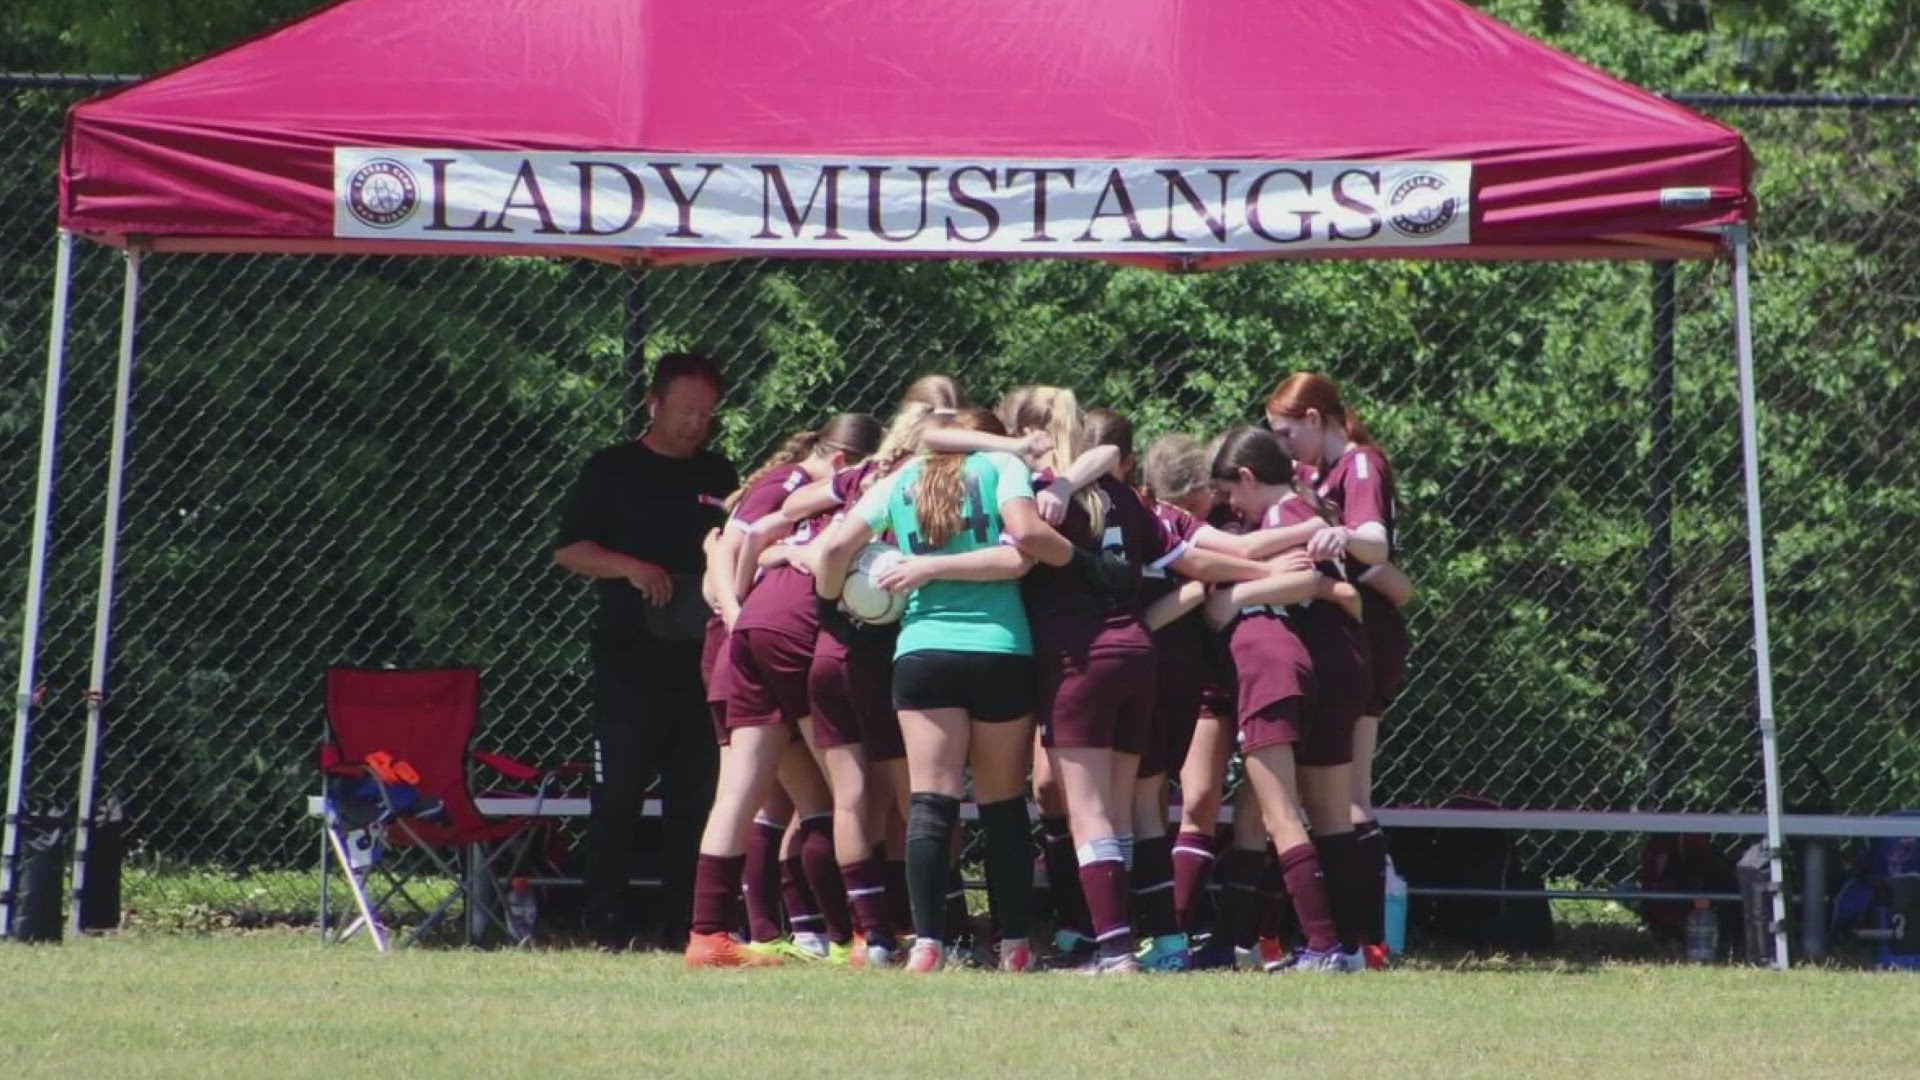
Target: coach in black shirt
(633, 523)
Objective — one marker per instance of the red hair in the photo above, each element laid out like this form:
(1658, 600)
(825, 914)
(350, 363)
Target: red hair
(1304, 390)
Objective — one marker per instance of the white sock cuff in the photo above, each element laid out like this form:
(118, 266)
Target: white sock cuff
(1105, 849)
(1126, 849)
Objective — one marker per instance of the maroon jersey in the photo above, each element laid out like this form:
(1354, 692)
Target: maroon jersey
(782, 598)
(1337, 644)
(1182, 643)
(1359, 488)
(1064, 612)
(847, 486)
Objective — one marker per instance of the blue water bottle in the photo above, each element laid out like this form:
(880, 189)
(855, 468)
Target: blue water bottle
(1396, 920)
(1703, 933)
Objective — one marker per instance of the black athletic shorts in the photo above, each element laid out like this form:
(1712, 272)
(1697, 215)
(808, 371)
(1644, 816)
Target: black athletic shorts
(989, 686)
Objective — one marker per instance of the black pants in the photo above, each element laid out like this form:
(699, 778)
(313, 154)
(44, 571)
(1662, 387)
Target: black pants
(650, 721)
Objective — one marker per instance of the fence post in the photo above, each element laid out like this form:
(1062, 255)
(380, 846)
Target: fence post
(634, 337)
(1656, 708)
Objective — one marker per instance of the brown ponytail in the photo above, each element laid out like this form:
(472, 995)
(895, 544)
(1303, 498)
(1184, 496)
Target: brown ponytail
(853, 434)
(940, 492)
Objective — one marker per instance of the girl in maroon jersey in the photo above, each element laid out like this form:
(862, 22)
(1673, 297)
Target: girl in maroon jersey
(1351, 474)
(853, 727)
(1193, 699)
(1301, 683)
(766, 658)
(1095, 663)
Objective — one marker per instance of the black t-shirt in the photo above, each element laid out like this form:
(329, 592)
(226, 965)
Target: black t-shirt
(637, 502)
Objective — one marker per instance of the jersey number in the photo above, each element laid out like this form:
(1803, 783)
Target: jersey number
(974, 517)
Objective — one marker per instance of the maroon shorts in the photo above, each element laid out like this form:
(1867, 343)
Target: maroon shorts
(713, 674)
(768, 678)
(1277, 723)
(852, 697)
(1180, 677)
(1342, 684)
(1270, 662)
(1101, 700)
(1389, 643)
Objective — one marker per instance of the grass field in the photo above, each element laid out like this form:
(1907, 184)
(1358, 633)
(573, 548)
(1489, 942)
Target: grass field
(276, 1004)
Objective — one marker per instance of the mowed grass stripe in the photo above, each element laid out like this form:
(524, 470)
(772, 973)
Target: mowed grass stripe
(276, 1004)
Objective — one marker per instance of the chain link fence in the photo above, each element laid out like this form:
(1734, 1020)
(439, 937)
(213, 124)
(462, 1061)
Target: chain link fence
(360, 460)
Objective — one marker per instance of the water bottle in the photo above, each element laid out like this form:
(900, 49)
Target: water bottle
(1703, 933)
(522, 911)
(1396, 915)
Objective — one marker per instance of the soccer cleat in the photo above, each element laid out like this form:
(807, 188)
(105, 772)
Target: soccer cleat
(1246, 959)
(1167, 952)
(1215, 955)
(1272, 956)
(1071, 949)
(926, 957)
(1327, 961)
(840, 953)
(780, 950)
(866, 954)
(813, 943)
(1123, 964)
(721, 951)
(1376, 957)
(1353, 961)
(1016, 957)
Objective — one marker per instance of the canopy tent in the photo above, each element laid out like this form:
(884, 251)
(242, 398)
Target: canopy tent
(1150, 132)
(237, 152)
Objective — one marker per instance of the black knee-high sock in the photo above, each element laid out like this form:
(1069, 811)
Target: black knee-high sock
(1340, 868)
(1373, 857)
(1009, 865)
(930, 826)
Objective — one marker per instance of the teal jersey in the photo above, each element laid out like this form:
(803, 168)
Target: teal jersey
(964, 616)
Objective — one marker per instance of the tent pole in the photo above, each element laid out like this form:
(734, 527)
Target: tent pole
(103, 610)
(1741, 235)
(634, 334)
(36, 577)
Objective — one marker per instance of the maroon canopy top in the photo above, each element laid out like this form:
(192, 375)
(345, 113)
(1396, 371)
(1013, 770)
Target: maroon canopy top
(1158, 132)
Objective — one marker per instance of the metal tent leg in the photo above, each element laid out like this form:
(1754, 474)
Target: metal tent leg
(109, 553)
(1741, 236)
(36, 579)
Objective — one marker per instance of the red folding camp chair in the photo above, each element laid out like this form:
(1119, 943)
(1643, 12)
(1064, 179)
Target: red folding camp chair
(398, 802)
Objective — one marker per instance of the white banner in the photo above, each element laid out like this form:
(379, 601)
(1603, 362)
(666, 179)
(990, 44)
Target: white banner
(897, 205)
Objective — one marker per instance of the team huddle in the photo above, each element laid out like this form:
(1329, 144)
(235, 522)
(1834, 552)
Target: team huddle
(986, 595)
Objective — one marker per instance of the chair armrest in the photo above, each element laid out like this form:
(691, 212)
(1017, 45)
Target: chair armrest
(508, 767)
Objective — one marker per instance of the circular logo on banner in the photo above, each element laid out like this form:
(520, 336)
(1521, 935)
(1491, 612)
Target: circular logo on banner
(1420, 206)
(382, 193)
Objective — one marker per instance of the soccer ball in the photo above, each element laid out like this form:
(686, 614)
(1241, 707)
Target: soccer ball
(861, 597)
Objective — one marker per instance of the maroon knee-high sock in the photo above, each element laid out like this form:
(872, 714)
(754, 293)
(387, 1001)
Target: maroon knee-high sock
(1104, 884)
(760, 884)
(815, 840)
(1193, 855)
(1063, 877)
(1372, 916)
(715, 879)
(1308, 890)
(1152, 881)
(1340, 867)
(803, 914)
(866, 883)
(1237, 892)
